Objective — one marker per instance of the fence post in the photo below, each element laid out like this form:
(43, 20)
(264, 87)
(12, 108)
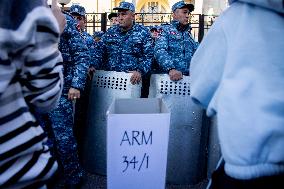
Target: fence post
(201, 28)
(142, 15)
(94, 23)
(103, 22)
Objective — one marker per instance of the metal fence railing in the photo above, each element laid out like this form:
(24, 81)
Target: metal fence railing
(200, 23)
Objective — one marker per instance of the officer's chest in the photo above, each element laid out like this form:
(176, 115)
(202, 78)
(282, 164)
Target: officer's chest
(174, 35)
(178, 39)
(123, 41)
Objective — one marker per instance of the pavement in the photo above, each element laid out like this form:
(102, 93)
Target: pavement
(93, 181)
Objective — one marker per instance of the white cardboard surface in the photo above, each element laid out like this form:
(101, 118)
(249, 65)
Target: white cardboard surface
(137, 141)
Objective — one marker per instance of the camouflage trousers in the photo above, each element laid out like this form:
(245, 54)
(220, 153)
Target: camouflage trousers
(63, 141)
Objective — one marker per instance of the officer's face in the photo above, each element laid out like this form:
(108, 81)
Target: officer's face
(113, 21)
(125, 18)
(80, 21)
(181, 15)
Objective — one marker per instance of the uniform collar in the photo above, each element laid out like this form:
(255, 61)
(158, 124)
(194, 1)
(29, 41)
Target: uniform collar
(124, 32)
(179, 27)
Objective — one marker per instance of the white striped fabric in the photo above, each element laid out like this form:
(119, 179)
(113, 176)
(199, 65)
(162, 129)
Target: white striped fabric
(30, 81)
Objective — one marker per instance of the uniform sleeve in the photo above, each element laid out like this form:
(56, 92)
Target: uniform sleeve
(80, 56)
(161, 52)
(99, 54)
(147, 56)
(91, 46)
(41, 77)
(207, 67)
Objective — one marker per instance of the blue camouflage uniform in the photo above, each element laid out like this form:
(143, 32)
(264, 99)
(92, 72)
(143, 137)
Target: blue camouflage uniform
(80, 116)
(98, 51)
(126, 51)
(76, 63)
(98, 34)
(175, 46)
(88, 39)
(75, 56)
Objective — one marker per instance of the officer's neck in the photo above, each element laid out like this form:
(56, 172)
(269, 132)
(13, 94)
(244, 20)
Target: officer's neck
(126, 29)
(182, 27)
(179, 26)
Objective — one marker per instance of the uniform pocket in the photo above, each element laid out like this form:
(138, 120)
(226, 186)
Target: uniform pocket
(134, 47)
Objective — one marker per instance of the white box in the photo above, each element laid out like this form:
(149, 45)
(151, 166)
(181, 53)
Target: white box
(137, 142)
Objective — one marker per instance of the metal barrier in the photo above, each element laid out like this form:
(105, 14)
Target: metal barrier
(186, 162)
(106, 86)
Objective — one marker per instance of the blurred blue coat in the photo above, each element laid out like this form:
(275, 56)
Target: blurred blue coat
(237, 73)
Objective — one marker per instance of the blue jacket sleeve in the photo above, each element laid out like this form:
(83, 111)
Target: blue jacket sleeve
(99, 54)
(80, 56)
(92, 45)
(162, 56)
(147, 56)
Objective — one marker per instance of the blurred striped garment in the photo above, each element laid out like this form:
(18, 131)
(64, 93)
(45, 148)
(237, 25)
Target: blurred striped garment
(30, 81)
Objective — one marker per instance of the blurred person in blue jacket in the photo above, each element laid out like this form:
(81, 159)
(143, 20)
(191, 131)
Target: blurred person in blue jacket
(126, 47)
(175, 45)
(237, 74)
(60, 121)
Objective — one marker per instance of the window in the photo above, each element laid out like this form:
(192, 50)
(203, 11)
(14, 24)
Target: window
(153, 7)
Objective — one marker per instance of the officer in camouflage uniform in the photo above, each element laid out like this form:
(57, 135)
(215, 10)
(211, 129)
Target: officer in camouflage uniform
(112, 17)
(76, 63)
(79, 13)
(175, 45)
(98, 35)
(127, 46)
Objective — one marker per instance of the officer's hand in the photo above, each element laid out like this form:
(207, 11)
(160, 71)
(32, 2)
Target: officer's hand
(73, 94)
(91, 72)
(175, 75)
(58, 15)
(135, 78)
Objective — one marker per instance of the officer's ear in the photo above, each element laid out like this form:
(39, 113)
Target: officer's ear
(173, 15)
(132, 15)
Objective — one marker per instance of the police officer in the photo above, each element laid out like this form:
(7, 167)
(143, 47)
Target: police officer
(112, 17)
(98, 35)
(127, 46)
(175, 46)
(75, 63)
(78, 12)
